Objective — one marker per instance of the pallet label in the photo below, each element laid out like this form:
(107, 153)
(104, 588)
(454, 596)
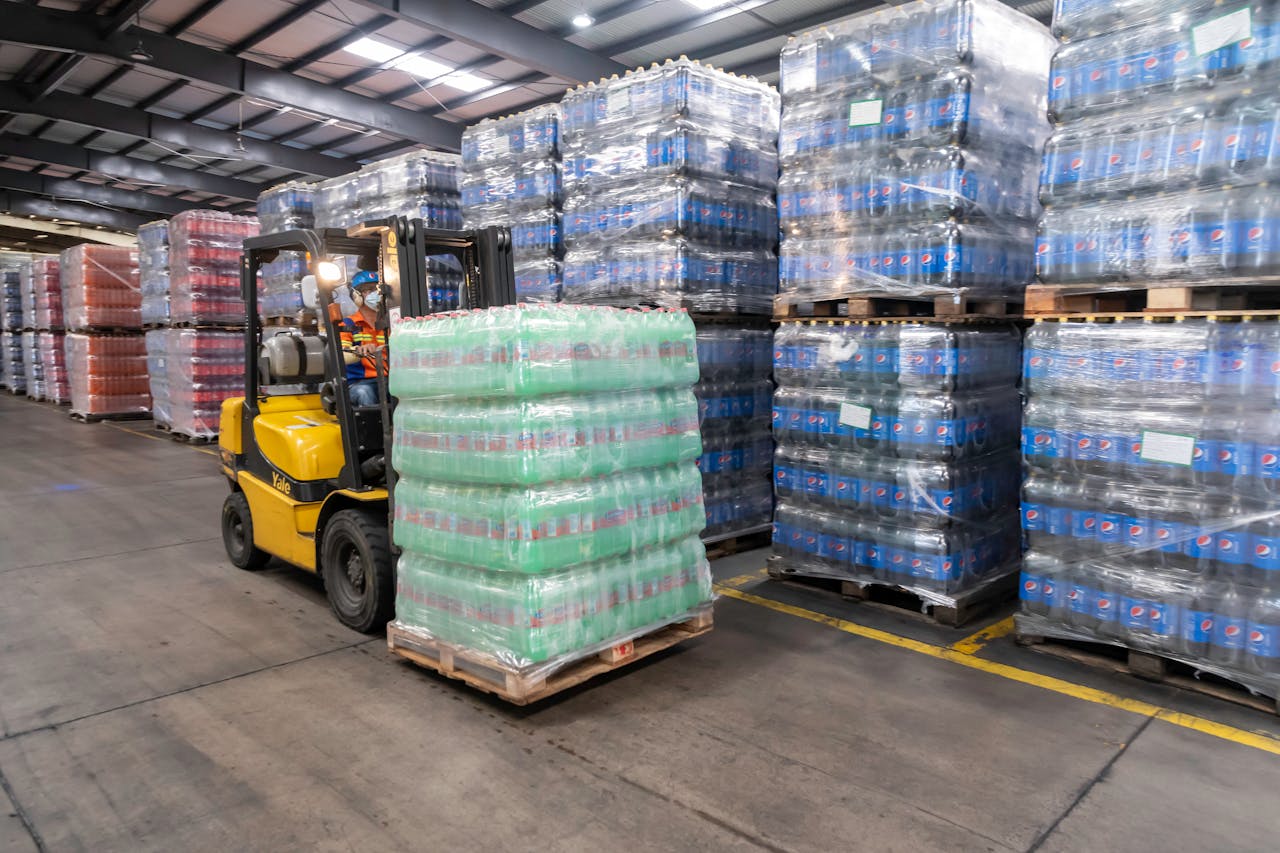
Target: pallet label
(865, 112)
(858, 417)
(1221, 31)
(1167, 447)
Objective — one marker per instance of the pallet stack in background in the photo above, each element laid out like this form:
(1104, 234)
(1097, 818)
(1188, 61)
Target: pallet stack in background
(555, 548)
(12, 322)
(1152, 508)
(46, 289)
(153, 275)
(512, 176)
(286, 207)
(910, 150)
(897, 461)
(106, 355)
(200, 360)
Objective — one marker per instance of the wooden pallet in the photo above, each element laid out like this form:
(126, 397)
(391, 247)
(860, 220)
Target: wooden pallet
(485, 673)
(117, 416)
(183, 437)
(1149, 666)
(868, 306)
(727, 544)
(1224, 295)
(963, 609)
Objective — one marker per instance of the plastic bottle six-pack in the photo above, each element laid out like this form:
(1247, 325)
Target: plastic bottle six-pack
(735, 398)
(153, 272)
(1168, 143)
(512, 176)
(287, 207)
(107, 373)
(897, 459)
(1152, 504)
(670, 176)
(548, 503)
(204, 259)
(100, 288)
(910, 151)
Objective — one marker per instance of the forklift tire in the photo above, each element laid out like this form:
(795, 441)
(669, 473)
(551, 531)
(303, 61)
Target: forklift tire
(237, 534)
(359, 579)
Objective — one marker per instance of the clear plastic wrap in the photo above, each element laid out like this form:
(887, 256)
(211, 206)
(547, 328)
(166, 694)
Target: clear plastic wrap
(26, 291)
(11, 267)
(46, 284)
(539, 517)
(280, 285)
(107, 373)
(13, 373)
(153, 272)
(1152, 506)
(527, 350)
(543, 439)
(541, 622)
(157, 342)
(910, 150)
(203, 368)
(670, 176)
(421, 185)
(204, 257)
(511, 177)
(337, 202)
(897, 457)
(33, 368)
(53, 362)
(100, 288)
(286, 207)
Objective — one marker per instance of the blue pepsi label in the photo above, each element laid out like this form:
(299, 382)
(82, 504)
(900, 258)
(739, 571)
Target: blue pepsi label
(1105, 606)
(1263, 640)
(1135, 613)
(1228, 631)
(1033, 517)
(1265, 553)
(1197, 626)
(1080, 599)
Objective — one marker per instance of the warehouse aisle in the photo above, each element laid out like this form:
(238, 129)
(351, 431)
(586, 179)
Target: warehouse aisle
(156, 699)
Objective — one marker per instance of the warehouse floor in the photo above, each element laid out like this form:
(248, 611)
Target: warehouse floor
(154, 698)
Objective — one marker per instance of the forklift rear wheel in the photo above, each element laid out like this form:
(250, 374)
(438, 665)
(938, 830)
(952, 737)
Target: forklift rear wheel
(355, 559)
(237, 534)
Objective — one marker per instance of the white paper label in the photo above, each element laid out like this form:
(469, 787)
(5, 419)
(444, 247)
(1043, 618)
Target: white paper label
(858, 417)
(865, 112)
(1168, 447)
(1222, 31)
(619, 100)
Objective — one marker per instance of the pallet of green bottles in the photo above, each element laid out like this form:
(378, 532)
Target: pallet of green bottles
(1225, 682)
(523, 685)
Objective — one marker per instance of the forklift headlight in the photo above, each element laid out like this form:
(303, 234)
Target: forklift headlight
(329, 273)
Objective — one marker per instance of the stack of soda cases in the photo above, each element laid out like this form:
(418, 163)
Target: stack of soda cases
(204, 267)
(287, 207)
(32, 368)
(548, 504)
(419, 185)
(12, 370)
(1167, 147)
(897, 459)
(336, 202)
(203, 368)
(511, 176)
(46, 288)
(735, 396)
(106, 358)
(910, 151)
(157, 346)
(1152, 504)
(153, 272)
(670, 176)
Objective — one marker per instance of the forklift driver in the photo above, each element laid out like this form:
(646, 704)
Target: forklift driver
(362, 343)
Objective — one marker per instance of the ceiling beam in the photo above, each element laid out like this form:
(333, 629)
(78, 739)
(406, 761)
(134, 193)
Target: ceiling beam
(271, 28)
(495, 32)
(334, 45)
(67, 233)
(62, 70)
(174, 133)
(68, 32)
(674, 29)
(12, 201)
(193, 17)
(126, 169)
(70, 190)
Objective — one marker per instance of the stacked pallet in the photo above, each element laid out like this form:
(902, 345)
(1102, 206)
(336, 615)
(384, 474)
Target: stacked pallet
(50, 352)
(285, 207)
(14, 269)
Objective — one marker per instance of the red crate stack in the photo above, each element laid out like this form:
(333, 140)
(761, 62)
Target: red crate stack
(108, 374)
(204, 267)
(100, 288)
(106, 360)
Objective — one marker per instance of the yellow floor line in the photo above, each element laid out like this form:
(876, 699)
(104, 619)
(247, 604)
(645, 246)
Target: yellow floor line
(1258, 740)
(743, 580)
(204, 450)
(975, 641)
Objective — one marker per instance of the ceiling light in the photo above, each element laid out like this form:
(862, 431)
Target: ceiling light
(373, 49)
(420, 66)
(706, 5)
(582, 20)
(42, 236)
(465, 82)
(139, 52)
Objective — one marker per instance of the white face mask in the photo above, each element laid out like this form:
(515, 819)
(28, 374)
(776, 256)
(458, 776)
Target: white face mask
(372, 300)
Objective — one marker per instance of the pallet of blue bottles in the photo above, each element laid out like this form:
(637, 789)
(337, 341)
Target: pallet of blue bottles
(1151, 507)
(897, 460)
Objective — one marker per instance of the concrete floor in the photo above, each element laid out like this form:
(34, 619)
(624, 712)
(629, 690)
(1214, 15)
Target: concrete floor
(154, 698)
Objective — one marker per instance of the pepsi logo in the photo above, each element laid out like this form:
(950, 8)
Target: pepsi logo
(1077, 362)
(1104, 444)
(1163, 533)
(1197, 144)
(1254, 234)
(1119, 362)
(1113, 159)
(1048, 588)
(949, 255)
(1104, 603)
(880, 358)
(1036, 361)
(1227, 545)
(1136, 611)
(899, 496)
(1246, 43)
(944, 109)
(897, 558)
(909, 113)
(1255, 636)
(1232, 139)
(1041, 249)
(1059, 81)
(1095, 75)
(1269, 460)
(1275, 368)
(881, 492)
(886, 191)
(888, 119)
(877, 424)
(946, 565)
(1077, 163)
(1180, 56)
(918, 429)
(1032, 514)
(811, 480)
(1080, 245)
(943, 430)
(1225, 455)
(1263, 550)
(1150, 62)
(1204, 541)
(1206, 625)
(1108, 527)
(1126, 68)
(1215, 236)
(1042, 439)
(897, 427)
(872, 553)
(1075, 594)
(780, 474)
(1029, 585)
(904, 260)
(946, 501)
(1135, 530)
(916, 563)
(1084, 444)
(1231, 631)
(926, 258)
(917, 359)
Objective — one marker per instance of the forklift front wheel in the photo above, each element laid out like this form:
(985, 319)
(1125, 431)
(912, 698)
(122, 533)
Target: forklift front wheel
(359, 580)
(237, 534)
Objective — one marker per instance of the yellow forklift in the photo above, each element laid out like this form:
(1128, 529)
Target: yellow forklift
(308, 470)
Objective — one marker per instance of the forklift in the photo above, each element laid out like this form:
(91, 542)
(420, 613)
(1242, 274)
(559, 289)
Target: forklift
(310, 480)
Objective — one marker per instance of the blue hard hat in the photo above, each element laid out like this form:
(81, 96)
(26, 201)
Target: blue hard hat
(364, 277)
